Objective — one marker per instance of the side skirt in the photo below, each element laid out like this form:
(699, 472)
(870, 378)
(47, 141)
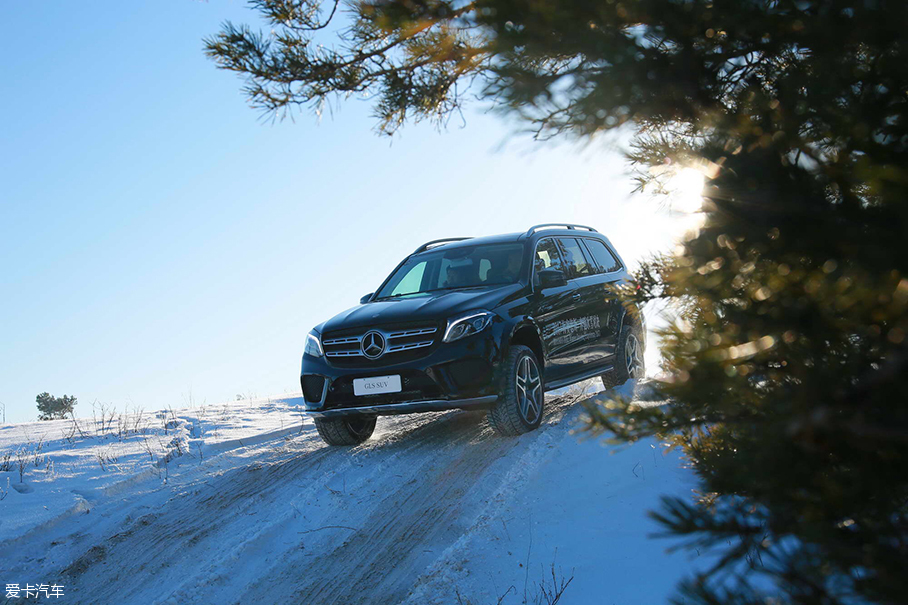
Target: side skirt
(563, 382)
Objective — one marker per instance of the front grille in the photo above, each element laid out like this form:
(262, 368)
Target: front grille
(400, 343)
(313, 387)
(415, 386)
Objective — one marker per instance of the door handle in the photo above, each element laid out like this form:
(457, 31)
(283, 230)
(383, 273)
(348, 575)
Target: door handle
(576, 296)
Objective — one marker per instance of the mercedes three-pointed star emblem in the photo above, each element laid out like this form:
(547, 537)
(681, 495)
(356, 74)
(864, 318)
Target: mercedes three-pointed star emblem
(373, 344)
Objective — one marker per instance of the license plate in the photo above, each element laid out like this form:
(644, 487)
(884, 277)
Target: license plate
(376, 385)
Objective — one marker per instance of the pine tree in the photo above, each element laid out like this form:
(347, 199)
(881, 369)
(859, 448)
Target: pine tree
(788, 367)
(54, 408)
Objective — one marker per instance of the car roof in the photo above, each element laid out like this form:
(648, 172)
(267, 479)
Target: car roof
(507, 238)
(504, 238)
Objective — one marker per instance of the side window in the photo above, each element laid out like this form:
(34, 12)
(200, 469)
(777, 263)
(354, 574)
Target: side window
(484, 266)
(603, 255)
(547, 256)
(575, 261)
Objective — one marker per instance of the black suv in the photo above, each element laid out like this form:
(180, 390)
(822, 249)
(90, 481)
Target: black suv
(489, 323)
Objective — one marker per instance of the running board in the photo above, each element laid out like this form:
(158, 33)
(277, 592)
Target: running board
(549, 386)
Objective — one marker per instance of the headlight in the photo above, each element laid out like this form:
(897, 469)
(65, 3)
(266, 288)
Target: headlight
(313, 345)
(466, 325)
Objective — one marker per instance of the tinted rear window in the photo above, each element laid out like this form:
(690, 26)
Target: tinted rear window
(604, 257)
(575, 260)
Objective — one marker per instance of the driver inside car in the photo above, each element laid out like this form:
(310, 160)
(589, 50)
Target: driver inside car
(459, 276)
(504, 270)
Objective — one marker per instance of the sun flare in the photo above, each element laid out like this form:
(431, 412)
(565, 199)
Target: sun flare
(686, 190)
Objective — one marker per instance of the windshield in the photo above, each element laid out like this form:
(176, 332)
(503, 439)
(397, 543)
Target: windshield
(455, 268)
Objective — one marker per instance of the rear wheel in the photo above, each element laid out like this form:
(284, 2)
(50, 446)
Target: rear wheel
(520, 402)
(345, 431)
(628, 359)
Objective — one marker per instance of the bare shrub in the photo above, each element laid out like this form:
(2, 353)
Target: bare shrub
(108, 415)
(147, 446)
(170, 419)
(137, 425)
(130, 423)
(550, 590)
(74, 428)
(22, 457)
(107, 459)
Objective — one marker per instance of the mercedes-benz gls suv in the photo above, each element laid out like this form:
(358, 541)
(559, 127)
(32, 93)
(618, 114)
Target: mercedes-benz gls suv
(465, 323)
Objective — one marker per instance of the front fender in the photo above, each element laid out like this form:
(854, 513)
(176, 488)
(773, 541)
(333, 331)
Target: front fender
(529, 324)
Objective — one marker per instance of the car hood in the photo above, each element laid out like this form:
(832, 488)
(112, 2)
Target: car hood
(434, 308)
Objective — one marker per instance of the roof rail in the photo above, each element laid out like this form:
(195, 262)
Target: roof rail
(445, 240)
(568, 225)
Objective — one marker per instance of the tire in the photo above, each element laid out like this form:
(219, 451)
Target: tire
(345, 431)
(629, 359)
(521, 399)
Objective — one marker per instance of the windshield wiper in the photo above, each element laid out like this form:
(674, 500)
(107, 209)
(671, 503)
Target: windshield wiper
(455, 288)
(390, 296)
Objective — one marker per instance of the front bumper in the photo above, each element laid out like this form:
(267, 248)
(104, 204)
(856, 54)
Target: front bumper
(408, 407)
(458, 375)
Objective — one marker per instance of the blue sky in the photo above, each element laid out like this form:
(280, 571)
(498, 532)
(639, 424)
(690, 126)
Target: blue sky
(160, 241)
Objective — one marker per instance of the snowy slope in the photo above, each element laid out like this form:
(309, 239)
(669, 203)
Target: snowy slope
(433, 509)
(66, 461)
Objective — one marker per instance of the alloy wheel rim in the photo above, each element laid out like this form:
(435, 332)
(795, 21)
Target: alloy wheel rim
(529, 390)
(632, 359)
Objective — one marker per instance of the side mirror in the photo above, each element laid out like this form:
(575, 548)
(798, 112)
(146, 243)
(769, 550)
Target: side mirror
(551, 278)
(365, 298)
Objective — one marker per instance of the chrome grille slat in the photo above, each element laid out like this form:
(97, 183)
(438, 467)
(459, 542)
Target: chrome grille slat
(343, 341)
(408, 346)
(351, 346)
(406, 333)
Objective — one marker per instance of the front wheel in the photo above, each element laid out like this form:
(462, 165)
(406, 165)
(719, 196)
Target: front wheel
(518, 409)
(345, 431)
(628, 359)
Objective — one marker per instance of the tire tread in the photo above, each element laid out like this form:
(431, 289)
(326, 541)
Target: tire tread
(334, 431)
(618, 375)
(504, 417)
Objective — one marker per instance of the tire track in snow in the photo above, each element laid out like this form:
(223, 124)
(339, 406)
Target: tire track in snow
(201, 532)
(407, 529)
(402, 534)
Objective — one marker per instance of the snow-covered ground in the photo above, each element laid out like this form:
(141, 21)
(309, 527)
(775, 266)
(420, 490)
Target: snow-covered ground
(66, 462)
(242, 501)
